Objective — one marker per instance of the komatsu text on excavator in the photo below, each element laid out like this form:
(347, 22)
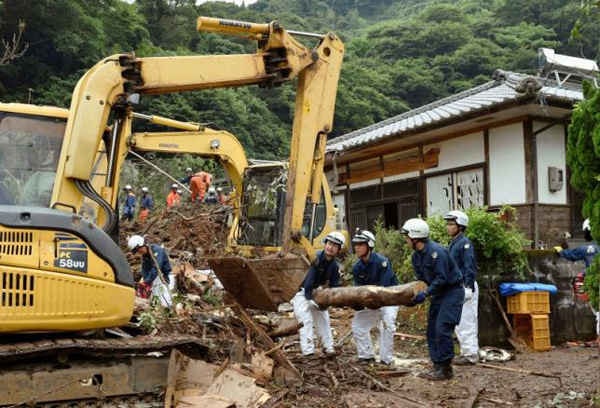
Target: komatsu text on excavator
(61, 271)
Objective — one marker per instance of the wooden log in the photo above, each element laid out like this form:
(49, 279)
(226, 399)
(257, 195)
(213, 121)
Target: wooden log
(369, 296)
(286, 327)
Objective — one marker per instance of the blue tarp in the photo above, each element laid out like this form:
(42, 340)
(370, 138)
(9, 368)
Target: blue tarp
(512, 288)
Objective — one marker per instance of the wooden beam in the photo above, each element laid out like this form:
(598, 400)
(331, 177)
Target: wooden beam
(429, 160)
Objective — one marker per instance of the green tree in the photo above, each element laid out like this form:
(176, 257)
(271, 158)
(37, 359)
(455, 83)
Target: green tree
(583, 153)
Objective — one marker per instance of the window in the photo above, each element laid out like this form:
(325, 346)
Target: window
(457, 190)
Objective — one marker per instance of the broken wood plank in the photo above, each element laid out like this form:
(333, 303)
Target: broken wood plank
(206, 401)
(410, 336)
(277, 355)
(520, 371)
(515, 341)
(370, 296)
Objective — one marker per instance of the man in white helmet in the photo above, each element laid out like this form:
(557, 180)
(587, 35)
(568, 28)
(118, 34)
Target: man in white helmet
(324, 272)
(130, 202)
(154, 260)
(463, 254)
(585, 253)
(146, 205)
(373, 269)
(433, 265)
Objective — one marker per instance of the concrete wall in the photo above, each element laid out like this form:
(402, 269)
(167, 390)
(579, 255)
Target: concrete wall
(507, 165)
(570, 319)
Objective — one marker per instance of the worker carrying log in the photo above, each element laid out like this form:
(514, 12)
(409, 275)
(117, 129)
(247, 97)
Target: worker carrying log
(432, 264)
(373, 269)
(324, 272)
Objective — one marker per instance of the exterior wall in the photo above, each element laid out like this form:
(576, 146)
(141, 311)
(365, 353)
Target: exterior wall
(552, 222)
(551, 151)
(458, 152)
(507, 165)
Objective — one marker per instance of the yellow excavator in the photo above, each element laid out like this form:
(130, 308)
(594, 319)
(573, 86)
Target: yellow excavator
(60, 271)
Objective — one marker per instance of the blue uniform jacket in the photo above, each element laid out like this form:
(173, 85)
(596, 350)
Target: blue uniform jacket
(149, 271)
(377, 271)
(129, 203)
(322, 272)
(147, 202)
(585, 253)
(434, 266)
(463, 254)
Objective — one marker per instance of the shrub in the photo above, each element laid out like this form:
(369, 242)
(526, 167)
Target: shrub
(496, 237)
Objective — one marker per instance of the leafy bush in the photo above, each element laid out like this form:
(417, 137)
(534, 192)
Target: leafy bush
(496, 237)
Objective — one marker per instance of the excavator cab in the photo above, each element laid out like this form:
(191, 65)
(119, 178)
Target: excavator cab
(29, 151)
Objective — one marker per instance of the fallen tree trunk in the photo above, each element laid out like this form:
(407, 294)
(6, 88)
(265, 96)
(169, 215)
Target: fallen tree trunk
(369, 296)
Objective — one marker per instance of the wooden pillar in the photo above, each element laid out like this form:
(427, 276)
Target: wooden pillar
(531, 182)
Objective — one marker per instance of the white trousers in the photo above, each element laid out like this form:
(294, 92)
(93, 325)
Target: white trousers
(467, 329)
(364, 320)
(311, 317)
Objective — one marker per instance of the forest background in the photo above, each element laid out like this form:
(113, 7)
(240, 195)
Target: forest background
(400, 54)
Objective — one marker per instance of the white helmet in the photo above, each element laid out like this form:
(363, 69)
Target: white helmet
(211, 190)
(145, 189)
(335, 237)
(174, 185)
(364, 236)
(188, 170)
(127, 187)
(586, 225)
(459, 217)
(134, 242)
(415, 228)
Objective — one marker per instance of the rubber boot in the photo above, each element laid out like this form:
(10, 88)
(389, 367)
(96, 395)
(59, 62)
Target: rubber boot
(440, 372)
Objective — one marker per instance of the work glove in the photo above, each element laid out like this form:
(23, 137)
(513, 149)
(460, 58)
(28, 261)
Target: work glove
(314, 304)
(419, 298)
(558, 249)
(468, 294)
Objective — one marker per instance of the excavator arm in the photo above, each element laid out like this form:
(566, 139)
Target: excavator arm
(105, 93)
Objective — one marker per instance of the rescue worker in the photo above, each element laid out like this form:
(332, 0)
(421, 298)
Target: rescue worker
(154, 259)
(188, 176)
(221, 196)
(373, 269)
(463, 254)
(323, 272)
(199, 183)
(585, 253)
(211, 196)
(146, 205)
(433, 265)
(130, 201)
(173, 198)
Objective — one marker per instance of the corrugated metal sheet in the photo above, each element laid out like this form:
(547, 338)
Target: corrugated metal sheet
(507, 86)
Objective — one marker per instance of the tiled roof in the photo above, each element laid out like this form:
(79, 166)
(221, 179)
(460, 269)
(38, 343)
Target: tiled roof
(505, 87)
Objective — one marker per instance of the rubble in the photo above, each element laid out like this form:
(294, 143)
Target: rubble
(254, 359)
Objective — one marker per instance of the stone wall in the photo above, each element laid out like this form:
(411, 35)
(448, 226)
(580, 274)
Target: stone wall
(570, 319)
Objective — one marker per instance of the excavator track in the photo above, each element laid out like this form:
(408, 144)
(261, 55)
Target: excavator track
(74, 371)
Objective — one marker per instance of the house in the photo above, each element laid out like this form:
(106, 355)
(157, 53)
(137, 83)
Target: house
(503, 142)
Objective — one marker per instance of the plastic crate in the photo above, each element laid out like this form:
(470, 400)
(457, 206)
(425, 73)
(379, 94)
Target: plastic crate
(529, 302)
(534, 329)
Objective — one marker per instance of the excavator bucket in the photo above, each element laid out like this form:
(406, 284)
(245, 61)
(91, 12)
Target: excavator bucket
(261, 283)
